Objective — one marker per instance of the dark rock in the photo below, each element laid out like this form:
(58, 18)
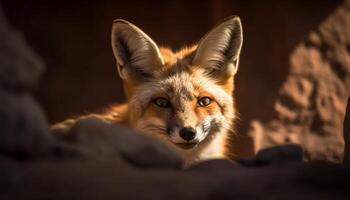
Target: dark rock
(92, 179)
(214, 164)
(316, 180)
(277, 154)
(326, 175)
(23, 128)
(102, 140)
(280, 154)
(9, 176)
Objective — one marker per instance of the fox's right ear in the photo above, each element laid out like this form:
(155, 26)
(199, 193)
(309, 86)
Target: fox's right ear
(137, 54)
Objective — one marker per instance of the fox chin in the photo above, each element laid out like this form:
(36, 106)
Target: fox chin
(185, 97)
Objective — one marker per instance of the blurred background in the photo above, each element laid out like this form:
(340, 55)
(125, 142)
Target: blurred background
(73, 38)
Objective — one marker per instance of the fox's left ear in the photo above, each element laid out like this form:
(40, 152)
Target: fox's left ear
(218, 51)
(137, 55)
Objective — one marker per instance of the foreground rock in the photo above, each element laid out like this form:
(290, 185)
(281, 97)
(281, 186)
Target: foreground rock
(311, 104)
(93, 138)
(209, 180)
(24, 130)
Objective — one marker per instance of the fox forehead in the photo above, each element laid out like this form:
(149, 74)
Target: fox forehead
(177, 78)
(178, 59)
(181, 82)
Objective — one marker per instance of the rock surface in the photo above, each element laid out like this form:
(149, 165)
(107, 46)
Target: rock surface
(23, 127)
(311, 103)
(215, 179)
(95, 139)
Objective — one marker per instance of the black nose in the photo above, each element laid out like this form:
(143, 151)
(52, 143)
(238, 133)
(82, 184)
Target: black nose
(187, 133)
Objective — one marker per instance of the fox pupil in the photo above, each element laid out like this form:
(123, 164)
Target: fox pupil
(161, 102)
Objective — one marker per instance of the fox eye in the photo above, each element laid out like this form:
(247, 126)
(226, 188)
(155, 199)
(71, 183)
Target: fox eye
(204, 101)
(161, 102)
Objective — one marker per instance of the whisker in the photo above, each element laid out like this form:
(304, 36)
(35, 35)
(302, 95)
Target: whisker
(155, 128)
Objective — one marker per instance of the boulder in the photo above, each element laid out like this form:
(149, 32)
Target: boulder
(24, 130)
(97, 139)
(311, 103)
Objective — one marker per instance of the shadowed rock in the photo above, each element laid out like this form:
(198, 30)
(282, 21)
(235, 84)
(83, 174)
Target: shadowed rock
(277, 154)
(99, 140)
(23, 127)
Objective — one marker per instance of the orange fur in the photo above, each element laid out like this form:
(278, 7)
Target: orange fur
(184, 98)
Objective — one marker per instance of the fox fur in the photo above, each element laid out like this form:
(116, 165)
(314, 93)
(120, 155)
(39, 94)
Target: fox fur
(184, 98)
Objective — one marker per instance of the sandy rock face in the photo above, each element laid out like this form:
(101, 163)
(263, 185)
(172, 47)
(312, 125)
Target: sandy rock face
(311, 104)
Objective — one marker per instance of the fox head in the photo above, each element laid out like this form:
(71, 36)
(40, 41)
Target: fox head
(183, 97)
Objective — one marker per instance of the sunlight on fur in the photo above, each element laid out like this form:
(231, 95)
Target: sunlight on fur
(184, 98)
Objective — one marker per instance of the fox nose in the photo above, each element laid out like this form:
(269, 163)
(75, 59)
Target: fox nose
(187, 133)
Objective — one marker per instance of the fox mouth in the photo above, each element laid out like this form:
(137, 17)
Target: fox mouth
(186, 145)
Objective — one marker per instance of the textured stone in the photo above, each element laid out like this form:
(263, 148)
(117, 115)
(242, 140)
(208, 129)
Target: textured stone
(277, 154)
(311, 103)
(98, 139)
(23, 127)
(216, 179)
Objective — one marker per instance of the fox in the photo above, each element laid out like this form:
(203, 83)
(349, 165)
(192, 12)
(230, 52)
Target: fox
(184, 98)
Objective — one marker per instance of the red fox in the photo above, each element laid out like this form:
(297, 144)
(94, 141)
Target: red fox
(184, 98)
